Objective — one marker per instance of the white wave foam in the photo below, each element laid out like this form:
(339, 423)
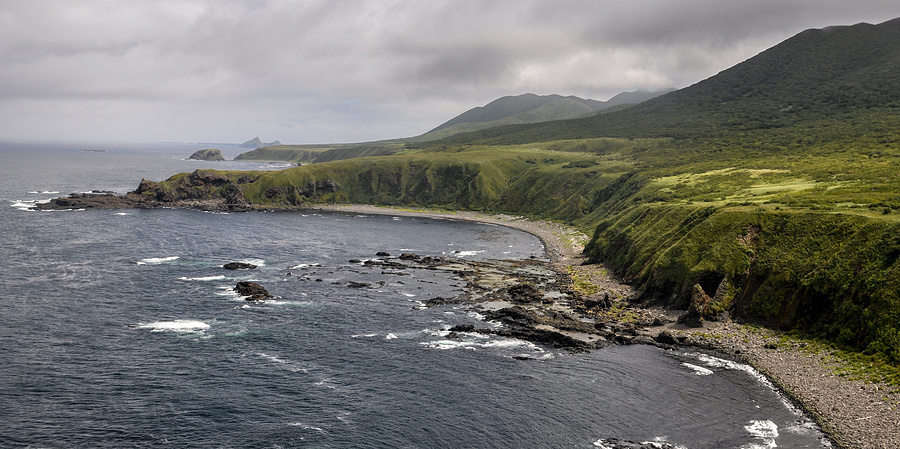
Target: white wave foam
(203, 279)
(390, 336)
(305, 265)
(122, 213)
(44, 192)
(466, 253)
(275, 359)
(408, 295)
(176, 326)
(306, 426)
(28, 204)
(698, 370)
(363, 335)
(257, 262)
(157, 260)
(764, 430)
(23, 205)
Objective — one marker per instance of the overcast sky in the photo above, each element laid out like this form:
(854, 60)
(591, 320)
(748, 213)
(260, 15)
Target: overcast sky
(349, 71)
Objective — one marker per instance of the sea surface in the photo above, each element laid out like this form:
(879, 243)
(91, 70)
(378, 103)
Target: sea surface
(119, 328)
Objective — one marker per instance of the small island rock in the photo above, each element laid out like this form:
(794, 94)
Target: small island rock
(209, 154)
(252, 290)
(238, 266)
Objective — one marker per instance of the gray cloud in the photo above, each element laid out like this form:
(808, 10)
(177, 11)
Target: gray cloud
(328, 71)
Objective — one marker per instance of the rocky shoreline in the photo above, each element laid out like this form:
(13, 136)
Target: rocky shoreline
(855, 414)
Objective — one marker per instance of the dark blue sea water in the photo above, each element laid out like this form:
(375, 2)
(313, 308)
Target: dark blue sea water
(119, 329)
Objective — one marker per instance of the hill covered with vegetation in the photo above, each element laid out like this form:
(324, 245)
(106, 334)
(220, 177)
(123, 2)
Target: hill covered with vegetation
(530, 108)
(769, 191)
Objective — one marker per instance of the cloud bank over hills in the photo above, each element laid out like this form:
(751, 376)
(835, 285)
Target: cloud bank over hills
(324, 71)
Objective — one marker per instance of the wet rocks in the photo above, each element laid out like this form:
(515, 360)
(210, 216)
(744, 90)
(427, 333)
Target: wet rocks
(252, 290)
(525, 294)
(615, 443)
(238, 266)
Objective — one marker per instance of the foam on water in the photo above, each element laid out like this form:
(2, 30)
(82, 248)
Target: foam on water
(203, 278)
(305, 265)
(698, 370)
(157, 260)
(465, 253)
(175, 326)
(763, 430)
(28, 204)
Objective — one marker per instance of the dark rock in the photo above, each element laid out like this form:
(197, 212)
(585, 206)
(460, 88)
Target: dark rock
(463, 328)
(666, 337)
(238, 266)
(382, 254)
(440, 301)
(358, 285)
(252, 290)
(525, 294)
(615, 443)
(354, 261)
(598, 303)
(409, 256)
(697, 310)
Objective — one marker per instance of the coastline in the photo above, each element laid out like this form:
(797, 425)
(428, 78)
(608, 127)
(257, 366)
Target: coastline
(853, 413)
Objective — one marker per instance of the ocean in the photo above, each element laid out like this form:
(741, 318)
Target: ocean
(119, 328)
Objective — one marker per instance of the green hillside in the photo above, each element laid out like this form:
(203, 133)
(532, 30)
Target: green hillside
(769, 191)
(530, 108)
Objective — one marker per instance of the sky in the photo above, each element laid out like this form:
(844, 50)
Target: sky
(352, 71)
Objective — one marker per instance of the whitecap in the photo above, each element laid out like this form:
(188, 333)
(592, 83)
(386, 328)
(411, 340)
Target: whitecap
(363, 335)
(157, 260)
(764, 430)
(305, 265)
(390, 336)
(257, 262)
(306, 426)
(698, 370)
(176, 326)
(408, 295)
(122, 213)
(466, 253)
(275, 359)
(203, 279)
(23, 205)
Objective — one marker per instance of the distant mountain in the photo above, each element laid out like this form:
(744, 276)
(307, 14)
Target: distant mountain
(256, 143)
(815, 74)
(531, 108)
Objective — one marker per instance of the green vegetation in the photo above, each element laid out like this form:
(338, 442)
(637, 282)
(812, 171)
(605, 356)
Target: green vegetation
(773, 188)
(309, 154)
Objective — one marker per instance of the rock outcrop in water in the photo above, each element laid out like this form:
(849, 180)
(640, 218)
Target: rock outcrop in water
(209, 154)
(238, 266)
(252, 290)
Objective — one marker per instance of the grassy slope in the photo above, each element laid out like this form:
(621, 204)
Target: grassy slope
(774, 184)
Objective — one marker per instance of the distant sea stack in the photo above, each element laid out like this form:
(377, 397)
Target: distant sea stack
(209, 154)
(256, 143)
